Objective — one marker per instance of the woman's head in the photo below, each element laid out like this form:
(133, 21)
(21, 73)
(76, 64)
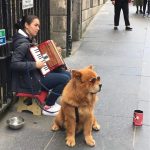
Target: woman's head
(30, 24)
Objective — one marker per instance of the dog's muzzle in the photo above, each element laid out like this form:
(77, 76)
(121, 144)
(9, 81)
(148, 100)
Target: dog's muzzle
(100, 87)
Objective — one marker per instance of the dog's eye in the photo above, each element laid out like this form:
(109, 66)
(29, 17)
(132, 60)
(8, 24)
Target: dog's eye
(93, 80)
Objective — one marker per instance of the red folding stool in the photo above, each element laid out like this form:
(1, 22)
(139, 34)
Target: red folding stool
(34, 107)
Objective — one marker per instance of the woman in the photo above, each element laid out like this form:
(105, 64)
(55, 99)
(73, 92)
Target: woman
(26, 75)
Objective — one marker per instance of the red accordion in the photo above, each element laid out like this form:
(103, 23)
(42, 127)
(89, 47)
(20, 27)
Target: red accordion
(47, 52)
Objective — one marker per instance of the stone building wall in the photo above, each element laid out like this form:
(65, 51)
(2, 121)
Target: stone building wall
(89, 10)
(83, 12)
(58, 21)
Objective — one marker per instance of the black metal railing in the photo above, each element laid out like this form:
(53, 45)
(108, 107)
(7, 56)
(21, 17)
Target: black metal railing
(10, 12)
(5, 82)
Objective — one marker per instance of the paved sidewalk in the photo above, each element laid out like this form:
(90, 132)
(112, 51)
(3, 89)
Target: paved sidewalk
(122, 59)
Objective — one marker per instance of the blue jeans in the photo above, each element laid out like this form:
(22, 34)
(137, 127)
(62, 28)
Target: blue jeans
(55, 81)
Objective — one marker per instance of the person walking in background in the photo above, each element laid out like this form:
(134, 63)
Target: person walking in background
(26, 75)
(124, 5)
(146, 3)
(138, 3)
(148, 8)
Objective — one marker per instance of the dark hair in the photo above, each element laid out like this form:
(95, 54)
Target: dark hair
(25, 19)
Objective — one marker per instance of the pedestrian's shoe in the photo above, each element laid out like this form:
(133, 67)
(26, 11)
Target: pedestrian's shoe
(51, 110)
(128, 29)
(115, 28)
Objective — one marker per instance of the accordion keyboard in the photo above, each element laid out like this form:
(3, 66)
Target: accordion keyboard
(38, 57)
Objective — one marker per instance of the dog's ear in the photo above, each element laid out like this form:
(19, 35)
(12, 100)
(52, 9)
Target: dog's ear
(76, 74)
(90, 67)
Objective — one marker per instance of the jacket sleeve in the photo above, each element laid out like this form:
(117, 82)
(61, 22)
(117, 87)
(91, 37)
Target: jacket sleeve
(19, 61)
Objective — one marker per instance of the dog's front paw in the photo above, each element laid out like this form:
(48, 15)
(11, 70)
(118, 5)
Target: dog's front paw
(70, 141)
(90, 141)
(55, 127)
(96, 127)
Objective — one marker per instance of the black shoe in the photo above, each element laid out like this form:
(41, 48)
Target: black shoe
(136, 12)
(128, 29)
(115, 28)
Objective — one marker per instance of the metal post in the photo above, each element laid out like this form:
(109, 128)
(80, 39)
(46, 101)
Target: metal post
(69, 28)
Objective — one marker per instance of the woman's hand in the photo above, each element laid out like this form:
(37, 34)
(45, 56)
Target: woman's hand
(39, 64)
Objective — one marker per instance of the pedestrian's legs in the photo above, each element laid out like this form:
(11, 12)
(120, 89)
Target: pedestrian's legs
(137, 9)
(125, 8)
(117, 9)
(141, 9)
(144, 6)
(148, 7)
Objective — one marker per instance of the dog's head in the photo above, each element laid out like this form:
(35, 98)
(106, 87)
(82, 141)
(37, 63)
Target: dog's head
(87, 79)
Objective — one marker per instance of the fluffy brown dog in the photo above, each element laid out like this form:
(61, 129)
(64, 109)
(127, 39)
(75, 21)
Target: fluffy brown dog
(77, 106)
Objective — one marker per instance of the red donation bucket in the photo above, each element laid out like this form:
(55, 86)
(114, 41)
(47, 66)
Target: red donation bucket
(138, 118)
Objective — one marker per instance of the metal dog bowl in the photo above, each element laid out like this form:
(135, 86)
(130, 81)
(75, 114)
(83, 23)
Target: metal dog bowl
(15, 122)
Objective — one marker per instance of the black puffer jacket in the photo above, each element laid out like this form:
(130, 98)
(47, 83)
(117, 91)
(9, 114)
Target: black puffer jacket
(25, 76)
